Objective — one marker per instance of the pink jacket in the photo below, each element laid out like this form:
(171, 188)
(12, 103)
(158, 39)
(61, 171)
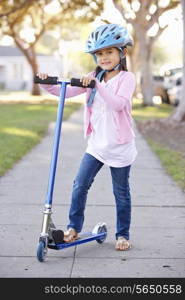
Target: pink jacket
(118, 100)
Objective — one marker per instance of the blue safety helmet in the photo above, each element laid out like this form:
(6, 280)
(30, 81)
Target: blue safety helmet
(108, 35)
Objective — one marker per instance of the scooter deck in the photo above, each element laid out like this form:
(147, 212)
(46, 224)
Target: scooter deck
(84, 238)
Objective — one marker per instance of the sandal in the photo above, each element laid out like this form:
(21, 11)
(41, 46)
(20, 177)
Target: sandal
(122, 244)
(70, 235)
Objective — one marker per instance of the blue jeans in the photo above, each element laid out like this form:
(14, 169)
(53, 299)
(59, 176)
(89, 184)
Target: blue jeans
(89, 167)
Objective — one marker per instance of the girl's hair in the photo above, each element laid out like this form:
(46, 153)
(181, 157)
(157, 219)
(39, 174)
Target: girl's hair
(122, 67)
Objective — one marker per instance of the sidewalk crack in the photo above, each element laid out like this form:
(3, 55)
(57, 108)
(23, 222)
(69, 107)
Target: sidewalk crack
(73, 262)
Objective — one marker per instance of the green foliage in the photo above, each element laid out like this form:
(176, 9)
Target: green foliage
(27, 20)
(19, 14)
(143, 114)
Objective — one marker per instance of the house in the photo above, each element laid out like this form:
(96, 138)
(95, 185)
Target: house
(16, 73)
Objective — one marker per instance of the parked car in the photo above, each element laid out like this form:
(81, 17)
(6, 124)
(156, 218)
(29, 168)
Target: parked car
(174, 93)
(159, 88)
(170, 77)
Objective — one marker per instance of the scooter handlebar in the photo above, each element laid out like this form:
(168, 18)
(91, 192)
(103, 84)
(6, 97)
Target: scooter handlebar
(55, 80)
(48, 80)
(77, 82)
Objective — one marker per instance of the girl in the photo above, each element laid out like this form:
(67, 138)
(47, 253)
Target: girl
(108, 123)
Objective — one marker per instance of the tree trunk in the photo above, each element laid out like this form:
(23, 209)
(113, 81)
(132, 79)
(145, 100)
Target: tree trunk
(146, 70)
(134, 64)
(34, 66)
(133, 57)
(32, 60)
(31, 57)
(179, 114)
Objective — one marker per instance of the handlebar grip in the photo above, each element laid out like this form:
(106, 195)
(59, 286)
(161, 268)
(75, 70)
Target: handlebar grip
(77, 82)
(48, 80)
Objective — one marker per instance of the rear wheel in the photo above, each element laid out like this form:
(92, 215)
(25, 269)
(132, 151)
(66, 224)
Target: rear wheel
(100, 228)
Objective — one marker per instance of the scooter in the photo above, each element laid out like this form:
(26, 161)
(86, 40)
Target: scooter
(50, 237)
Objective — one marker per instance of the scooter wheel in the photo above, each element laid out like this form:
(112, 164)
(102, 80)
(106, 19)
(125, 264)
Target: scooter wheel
(100, 228)
(41, 251)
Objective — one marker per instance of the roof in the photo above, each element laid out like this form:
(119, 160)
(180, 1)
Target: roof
(11, 51)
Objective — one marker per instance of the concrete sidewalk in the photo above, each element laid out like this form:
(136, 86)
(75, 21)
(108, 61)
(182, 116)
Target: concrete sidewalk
(158, 216)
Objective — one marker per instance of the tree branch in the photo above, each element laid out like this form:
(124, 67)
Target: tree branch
(119, 8)
(154, 38)
(14, 9)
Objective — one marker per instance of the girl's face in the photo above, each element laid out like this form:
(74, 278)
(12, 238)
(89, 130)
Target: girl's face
(108, 58)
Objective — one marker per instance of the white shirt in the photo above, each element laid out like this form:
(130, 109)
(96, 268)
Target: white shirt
(102, 143)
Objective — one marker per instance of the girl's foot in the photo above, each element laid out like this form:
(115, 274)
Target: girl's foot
(70, 235)
(122, 244)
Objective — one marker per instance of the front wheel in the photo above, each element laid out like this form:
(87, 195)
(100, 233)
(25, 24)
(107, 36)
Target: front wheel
(100, 228)
(41, 251)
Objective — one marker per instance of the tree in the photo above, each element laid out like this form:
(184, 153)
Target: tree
(143, 15)
(179, 114)
(16, 18)
(26, 21)
(9, 7)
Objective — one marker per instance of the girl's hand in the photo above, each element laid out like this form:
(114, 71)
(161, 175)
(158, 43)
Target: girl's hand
(86, 80)
(42, 75)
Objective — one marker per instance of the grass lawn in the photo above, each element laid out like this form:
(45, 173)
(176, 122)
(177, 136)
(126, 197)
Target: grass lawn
(143, 114)
(22, 126)
(173, 161)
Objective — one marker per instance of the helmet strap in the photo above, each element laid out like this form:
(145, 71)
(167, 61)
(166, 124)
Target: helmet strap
(118, 65)
(114, 69)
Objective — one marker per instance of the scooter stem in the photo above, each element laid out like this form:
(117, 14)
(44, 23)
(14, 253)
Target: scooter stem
(51, 181)
(48, 202)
